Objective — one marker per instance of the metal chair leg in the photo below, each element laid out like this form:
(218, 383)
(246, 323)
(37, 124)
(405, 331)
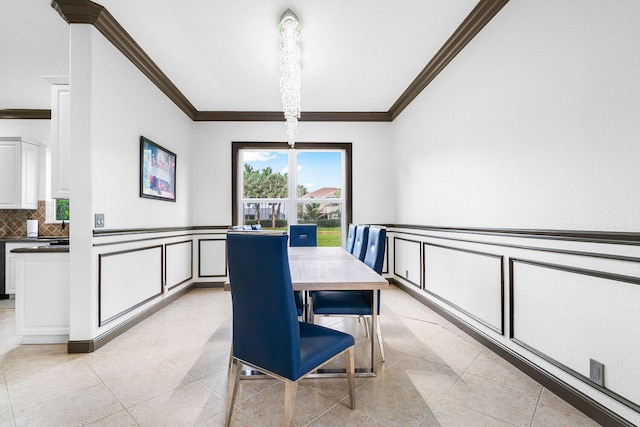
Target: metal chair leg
(350, 368)
(290, 391)
(234, 380)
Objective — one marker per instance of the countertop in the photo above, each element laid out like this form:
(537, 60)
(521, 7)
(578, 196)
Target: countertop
(56, 244)
(31, 239)
(41, 249)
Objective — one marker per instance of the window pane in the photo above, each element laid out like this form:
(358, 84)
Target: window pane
(269, 215)
(319, 174)
(265, 174)
(62, 209)
(327, 216)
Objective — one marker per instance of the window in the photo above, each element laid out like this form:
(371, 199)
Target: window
(317, 192)
(62, 209)
(57, 210)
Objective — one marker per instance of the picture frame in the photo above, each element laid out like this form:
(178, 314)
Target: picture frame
(157, 171)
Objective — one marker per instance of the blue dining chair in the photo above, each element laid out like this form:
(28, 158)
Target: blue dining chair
(356, 303)
(360, 243)
(351, 238)
(267, 335)
(303, 235)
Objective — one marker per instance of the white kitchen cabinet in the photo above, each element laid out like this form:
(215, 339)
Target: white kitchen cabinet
(42, 297)
(60, 141)
(10, 263)
(18, 174)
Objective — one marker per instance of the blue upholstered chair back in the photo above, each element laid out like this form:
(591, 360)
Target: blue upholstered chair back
(374, 256)
(303, 235)
(351, 237)
(265, 327)
(360, 244)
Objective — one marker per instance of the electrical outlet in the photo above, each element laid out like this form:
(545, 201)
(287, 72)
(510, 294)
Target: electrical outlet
(596, 372)
(99, 220)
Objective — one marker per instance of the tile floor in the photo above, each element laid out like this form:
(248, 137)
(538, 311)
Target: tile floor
(170, 370)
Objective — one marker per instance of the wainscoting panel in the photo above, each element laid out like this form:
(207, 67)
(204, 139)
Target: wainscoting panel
(558, 314)
(563, 297)
(179, 263)
(212, 258)
(407, 260)
(471, 281)
(128, 279)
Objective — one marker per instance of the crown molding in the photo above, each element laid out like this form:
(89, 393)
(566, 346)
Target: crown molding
(277, 116)
(88, 12)
(26, 114)
(480, 16)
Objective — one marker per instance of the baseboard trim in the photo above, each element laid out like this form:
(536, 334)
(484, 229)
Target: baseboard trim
(89, 346)
(208, 284)
(591, 408)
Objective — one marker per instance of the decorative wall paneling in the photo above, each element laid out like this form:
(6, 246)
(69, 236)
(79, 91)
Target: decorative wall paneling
(127, 280)
(566, 297)
(470, 281)
(574, 327)
(179, 263)
(212, 258)
(140, 271)
(407, 260)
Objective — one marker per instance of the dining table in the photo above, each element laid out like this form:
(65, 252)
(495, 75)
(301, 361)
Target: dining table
(322, 268)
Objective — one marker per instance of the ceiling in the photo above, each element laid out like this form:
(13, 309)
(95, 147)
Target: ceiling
(357, 55)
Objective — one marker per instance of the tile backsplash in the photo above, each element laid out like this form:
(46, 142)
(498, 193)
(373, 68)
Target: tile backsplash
(13, 223)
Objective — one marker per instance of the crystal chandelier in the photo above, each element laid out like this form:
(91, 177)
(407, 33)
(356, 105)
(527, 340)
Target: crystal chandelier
(290, 71)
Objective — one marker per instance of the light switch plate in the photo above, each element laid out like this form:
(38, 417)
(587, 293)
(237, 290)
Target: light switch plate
(99, 220)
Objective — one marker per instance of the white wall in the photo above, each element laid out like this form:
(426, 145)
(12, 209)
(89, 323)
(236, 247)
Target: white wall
(112, 105)
(373, 178)
(534, 125)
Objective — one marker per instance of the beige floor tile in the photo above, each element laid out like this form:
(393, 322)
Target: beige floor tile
(120, 419)
(171, 369)
(185, 405)
(506, 403)
(430, 379)
(82, 407)
(391, 403)
(248, 388)
(491, 366)
(6, 412)
(553, 411)
(240, 419)
(341, 415)
(451, 350)
(149, 382)
(268, 407)
(447, 413)
(49, 383)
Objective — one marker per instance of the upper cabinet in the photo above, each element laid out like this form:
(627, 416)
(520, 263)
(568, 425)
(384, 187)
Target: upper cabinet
(60, 138)
(18, 174)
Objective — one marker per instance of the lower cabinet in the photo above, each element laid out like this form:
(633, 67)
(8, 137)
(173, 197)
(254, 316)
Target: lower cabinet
(42, 297)
(10, 264)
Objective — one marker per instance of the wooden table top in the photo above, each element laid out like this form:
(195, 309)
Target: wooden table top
(331, 268)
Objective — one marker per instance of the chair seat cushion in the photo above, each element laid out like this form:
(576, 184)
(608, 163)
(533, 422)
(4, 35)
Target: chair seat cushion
(342, 302)
(319, 344)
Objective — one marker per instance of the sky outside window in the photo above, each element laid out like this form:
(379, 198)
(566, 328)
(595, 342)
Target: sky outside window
(316, 169)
